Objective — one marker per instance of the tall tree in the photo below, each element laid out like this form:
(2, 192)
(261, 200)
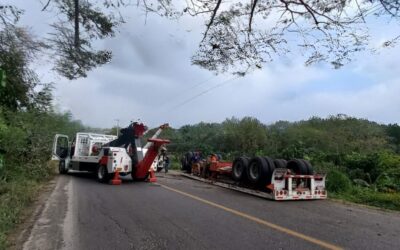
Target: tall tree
(244, 35)
(22, 88)
(81, 23)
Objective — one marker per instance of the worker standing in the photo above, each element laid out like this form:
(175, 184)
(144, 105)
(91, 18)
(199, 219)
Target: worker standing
(165, 158)
(166, 163)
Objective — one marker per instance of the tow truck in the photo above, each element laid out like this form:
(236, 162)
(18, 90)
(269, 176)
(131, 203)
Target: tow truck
(109, 155)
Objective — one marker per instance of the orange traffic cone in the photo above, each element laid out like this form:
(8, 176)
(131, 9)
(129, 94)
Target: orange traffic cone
(152, 176)
(116, 180)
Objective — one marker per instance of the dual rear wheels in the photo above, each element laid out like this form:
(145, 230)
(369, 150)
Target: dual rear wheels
(300, 166)
(258, 170)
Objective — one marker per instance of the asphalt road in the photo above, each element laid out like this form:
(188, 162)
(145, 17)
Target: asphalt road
(180, 213)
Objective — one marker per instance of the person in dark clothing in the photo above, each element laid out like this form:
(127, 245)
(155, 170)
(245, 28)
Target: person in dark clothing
(166, 163)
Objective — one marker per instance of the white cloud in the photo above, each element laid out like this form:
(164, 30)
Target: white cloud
(151, 74)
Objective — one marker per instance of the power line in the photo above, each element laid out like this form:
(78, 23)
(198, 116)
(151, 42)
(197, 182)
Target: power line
(181, 93)
(205, 92)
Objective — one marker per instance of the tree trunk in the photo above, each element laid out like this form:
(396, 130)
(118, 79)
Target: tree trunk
(76, 40)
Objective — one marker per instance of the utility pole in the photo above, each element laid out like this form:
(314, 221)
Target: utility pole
(117, 126)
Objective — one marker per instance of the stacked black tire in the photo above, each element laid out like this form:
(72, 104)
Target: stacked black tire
(258, 170)
(186, 162)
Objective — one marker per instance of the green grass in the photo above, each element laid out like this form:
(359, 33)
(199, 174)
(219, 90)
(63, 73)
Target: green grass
(18, 190)
(370, 197)
(175, 165)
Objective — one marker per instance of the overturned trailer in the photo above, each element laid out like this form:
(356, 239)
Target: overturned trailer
(275, 179)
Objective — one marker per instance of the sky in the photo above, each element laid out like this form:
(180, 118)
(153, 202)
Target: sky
(151, 78)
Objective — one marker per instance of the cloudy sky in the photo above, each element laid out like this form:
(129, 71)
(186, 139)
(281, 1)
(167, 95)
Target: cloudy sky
(151, 78)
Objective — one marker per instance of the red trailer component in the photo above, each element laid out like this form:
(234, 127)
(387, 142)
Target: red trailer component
(142, 168)
(217, 168)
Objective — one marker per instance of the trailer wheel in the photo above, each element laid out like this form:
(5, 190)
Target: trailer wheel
(61, 167)
(239, 168)
(280, 163)
(297, 166)
(271, 167)
(102, 174)
(257, 170)
(310, 170)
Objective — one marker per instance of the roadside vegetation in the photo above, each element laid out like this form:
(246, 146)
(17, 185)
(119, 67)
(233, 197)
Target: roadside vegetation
(26, 138)
(360, 157)
(28, 123)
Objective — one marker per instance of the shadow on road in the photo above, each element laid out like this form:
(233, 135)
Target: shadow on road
(92, 176)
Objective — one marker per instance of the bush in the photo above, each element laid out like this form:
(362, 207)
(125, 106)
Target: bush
(325, 167)
(356, 163)
(338, 182)
(25, 148)
(389, 181)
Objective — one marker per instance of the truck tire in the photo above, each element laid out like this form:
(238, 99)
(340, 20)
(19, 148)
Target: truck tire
(102, 174)
(257, 170)
(134, 178)
(239, 168)
(205, 171)
(62, 169)
(310, 169)
(187, 162)
(271, 168)
(140, 179)
(297, 166)
(280, 163)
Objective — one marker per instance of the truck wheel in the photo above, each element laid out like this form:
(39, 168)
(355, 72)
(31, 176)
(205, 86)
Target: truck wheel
(280, 163)
(62, 168)
(297, 166)
(271, 168)
(140, 179)
(239, 168)
(133, 175)
(310, 169)
(102, 174)
(257, 170)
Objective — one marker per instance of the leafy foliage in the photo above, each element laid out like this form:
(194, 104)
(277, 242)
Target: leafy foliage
(83, 23)
(245, 136)
(338, 182)
(71, 41)
(17, 48)
(242, 36)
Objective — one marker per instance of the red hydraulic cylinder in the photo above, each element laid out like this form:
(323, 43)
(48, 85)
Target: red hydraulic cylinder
(152, 152)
